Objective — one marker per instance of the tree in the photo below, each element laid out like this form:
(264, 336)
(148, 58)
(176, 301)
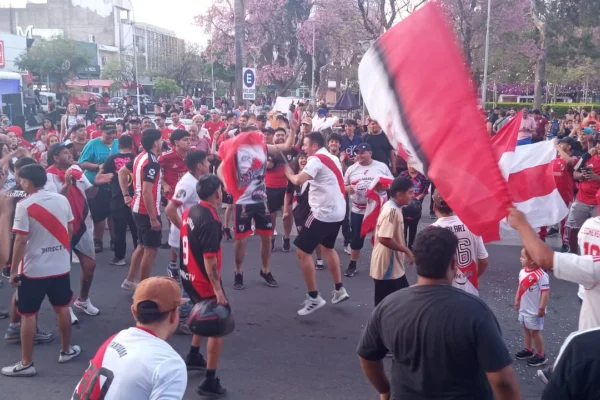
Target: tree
(185, 69)
(380, 15)
(123, 74)
(56, 59)
(166, 87)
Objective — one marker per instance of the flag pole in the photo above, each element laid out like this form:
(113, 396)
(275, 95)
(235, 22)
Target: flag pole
(487, 50)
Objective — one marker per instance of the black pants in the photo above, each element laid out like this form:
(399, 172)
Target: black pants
(431, 203)
(383, 288)
(122, 217)
(410, 230)
(346, 230)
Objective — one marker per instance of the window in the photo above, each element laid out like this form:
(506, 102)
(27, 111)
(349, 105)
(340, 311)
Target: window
(92, 38)
(104, 60)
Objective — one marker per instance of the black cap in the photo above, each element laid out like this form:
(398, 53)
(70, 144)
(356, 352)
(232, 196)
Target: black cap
(351, 122)
(109, 127)
(261, 117)
(54, 150)
(571, 141)
(135, 121)
(362, 147)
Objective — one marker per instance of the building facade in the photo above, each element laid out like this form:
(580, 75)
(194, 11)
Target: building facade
(12, 46)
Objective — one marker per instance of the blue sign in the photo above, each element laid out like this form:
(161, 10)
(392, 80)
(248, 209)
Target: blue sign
(249, 78)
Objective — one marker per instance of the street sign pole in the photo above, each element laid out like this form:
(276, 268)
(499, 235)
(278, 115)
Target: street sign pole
(249, 84)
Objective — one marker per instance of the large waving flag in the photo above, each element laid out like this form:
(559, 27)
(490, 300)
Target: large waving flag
(528, 171)
(415, 84)
(375, 200)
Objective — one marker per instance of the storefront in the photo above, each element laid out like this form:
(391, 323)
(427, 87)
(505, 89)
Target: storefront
(11, 47)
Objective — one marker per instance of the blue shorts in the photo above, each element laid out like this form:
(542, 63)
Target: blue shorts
(524, 141)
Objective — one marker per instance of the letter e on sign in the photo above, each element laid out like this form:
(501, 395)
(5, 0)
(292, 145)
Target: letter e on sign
(2, 63)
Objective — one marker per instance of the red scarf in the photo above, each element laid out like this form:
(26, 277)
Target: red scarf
(76, 199)
(328, 162)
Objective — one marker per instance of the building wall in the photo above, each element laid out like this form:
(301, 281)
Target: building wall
(14, 46)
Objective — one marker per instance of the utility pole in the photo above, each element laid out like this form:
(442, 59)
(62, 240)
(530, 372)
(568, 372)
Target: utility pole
(487, 52)
(239, 22)
(314, 66)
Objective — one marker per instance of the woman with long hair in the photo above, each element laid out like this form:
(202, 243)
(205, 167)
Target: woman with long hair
(68, 121)
(50, 140)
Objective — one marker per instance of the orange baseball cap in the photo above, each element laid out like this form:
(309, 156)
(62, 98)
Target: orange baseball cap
(164, 291)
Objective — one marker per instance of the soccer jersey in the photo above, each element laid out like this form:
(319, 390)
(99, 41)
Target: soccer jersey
(470, 249)
(45, 217)
(532, 282)
(185, 197)
(213, 127)
(327, 202)
(200, 236)
(385, 262)
(142, 367)
(173, 168)
(360, 177)
(563, 177)
(145, 168)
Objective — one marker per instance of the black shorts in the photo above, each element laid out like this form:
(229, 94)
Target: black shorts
(383, 288)
(315, 232)
(32, 292)
(100, 205)
(245, 214)
(146, 236)
(275, 199)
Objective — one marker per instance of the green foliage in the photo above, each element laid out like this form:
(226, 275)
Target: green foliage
(559, 108)
(56, 58)
(166, 87)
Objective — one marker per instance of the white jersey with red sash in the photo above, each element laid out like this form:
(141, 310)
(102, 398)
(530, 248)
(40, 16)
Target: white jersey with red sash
(532, 282)
(326, 195)
(134, 365)
(470, 249)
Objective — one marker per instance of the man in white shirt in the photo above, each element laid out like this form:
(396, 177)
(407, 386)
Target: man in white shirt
(357, 179)
(328, 208)
(41, 265)
(138, 363)
(471, 255)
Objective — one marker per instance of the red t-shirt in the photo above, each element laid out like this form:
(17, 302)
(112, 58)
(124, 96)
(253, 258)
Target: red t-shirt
(588, 189)
(137, 139)
(563, 177)
(92, 132)
(166, 134)
(173, 167)
(540, 124)
(187, 104)
(212, 127)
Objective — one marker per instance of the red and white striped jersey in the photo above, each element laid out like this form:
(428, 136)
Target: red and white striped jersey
(145, 169)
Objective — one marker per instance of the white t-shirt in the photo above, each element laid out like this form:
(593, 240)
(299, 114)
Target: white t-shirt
(10, 180)
(82, 184)
(361, 176)
(185, 196)
(144, 367)
(531, 285)
(327, 202)
(45, 217)
(470, 249)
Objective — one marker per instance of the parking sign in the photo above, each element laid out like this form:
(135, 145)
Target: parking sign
(249, 83)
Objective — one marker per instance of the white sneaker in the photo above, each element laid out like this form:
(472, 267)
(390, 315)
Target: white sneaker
(311, 305)
(347, 250)
(74, 320)
(129, 285)
(116, 262)
(19, 369)
(74, 351)
(339, 295)
(275, 232)
(86, 306)
(75, 259)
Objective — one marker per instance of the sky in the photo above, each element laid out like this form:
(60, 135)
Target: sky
(176, 15)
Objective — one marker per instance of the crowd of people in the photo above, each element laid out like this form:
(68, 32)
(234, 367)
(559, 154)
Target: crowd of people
(63, 191)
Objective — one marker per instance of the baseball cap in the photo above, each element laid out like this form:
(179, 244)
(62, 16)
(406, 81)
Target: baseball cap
(307, 121)
(439, 201)
(261, 117)
(362, 147)
(571, 141)
(109, 127)
(55, 149)
(589, 131)
(162, 290)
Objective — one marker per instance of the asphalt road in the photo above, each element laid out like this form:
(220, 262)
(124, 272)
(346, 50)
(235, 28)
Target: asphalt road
(274, 354)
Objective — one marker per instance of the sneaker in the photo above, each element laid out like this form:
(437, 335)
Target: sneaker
(238, 281)
(98, 248)
(351, 270)
(6, 272)
(74, 319)
(19, 370)
(4, 314)
(310, 305)
(544, 374)
(286, 245)
(195, 362)
(74, 351)
(565, 248)
(320, 265)
(42, 337)
(432, 215)
(524, 354)
(536, 361)
(274, 232)
(339, 295)
(116, 261)
(273, 244)
(268, 277)
(165, 246)
(86, 306)
(75, 259)
(128, 285)
(13, 333)
(347, 249)
(211, 388)
(227, 233)
(183, 328)
(553, 232)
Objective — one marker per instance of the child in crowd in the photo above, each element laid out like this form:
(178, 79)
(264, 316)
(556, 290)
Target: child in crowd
(531, 300)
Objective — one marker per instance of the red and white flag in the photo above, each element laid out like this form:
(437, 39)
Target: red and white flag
(528, 172)
(375, 199)
(415, 83)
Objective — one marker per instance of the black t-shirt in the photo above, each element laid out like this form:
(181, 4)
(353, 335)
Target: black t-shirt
(112, 165)
(201, 233)
(443, 340)
(381, 147)
(301, 208)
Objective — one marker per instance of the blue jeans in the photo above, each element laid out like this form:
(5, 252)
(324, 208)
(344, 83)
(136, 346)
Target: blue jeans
(524, 141)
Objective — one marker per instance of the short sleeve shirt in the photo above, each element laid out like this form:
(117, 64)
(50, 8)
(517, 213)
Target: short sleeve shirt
(361, 177)
(326, 201)
(96, 152)
(531, 285)
(145, 168)
(385, 262)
